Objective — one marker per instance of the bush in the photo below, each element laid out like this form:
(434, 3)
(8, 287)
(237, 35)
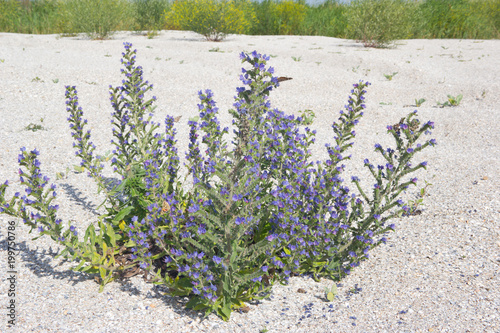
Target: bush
(459, 19)
(290, 15)
(150, 14)
(377, 23)
(327, 19)
(32, 17)
(257, 211)
(213, 19)
(10, 14)
(278, 17)
(97, 18)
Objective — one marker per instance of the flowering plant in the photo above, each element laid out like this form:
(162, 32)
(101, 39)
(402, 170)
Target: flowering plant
(258, 209)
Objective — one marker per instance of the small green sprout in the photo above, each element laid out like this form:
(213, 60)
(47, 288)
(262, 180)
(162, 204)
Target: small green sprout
(297, 58)
(216, 49)
(55, 80)
(152, 34)
(34, 127)
(37, 79)
(390, 76)
(452, 101)
(419, 102)
(413, 204)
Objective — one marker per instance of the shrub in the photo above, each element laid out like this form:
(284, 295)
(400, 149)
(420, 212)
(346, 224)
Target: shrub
(150, 14)
(10, 13)
(327, 19)
(97, 18)
(213, 19)
(377, 23)
(290, 15)
(278, 17)
(32, 17)
(258, 210)
(459, 19)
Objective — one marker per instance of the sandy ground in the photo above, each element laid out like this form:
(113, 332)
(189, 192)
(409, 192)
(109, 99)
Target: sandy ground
(462, 214)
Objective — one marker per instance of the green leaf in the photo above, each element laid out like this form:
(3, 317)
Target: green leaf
(112, 236)
(330, 296)
(102, 272)
(225, 312)
(122, 213)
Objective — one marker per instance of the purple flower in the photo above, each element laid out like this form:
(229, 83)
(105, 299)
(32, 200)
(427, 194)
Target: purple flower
(193, 209)
(217, 260)
(201, 230)
(264, 268)
(271, 237)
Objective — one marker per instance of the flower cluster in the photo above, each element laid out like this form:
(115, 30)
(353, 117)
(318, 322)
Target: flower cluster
(256, 212)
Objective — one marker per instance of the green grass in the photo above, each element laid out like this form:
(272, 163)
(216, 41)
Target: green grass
(477, 19)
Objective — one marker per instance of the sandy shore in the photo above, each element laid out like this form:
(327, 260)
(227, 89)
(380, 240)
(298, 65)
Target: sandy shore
(439, 270)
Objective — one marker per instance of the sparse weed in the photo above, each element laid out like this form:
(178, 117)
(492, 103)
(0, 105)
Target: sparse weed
(390, 76)
(419, 102)
(34, 127)
(452, 101)
(216, 49)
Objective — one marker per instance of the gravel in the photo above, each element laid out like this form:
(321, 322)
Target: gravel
(438, 272)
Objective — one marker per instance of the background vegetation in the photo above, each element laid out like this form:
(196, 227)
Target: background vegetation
(374, 22)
